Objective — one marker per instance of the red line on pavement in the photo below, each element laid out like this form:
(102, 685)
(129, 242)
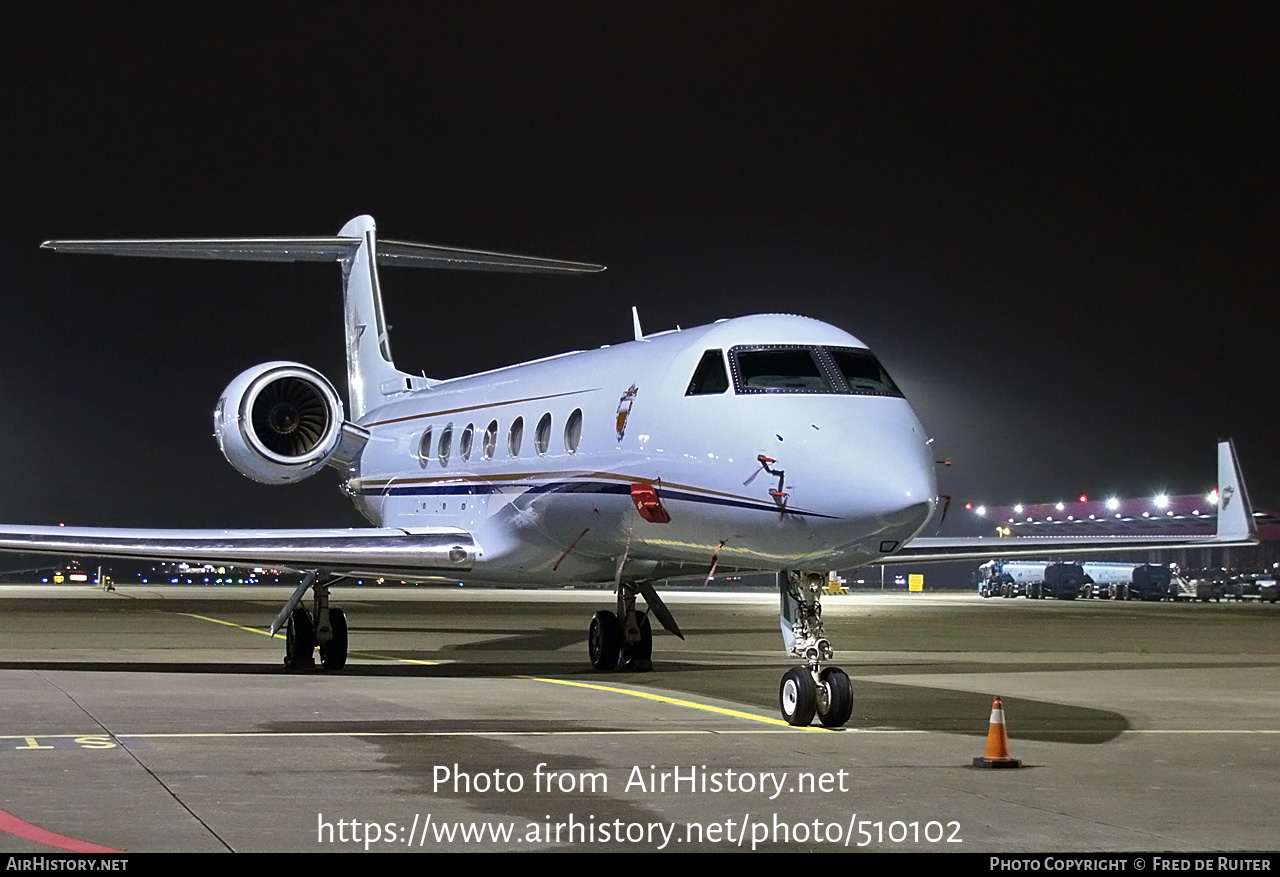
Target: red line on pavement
(15, 826)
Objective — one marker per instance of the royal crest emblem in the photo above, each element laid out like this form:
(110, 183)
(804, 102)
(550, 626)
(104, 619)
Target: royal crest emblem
(1227, 493)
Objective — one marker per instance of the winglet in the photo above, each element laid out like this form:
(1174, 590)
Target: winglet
(1235, 513)
(635, 323)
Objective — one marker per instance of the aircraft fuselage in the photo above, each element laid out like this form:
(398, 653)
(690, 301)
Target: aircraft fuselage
(538, 461)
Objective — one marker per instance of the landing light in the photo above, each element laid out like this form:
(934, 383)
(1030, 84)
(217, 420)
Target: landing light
(1059, 506)
(1212, 498)
(1113, 504)
(982, 510)
(1018, 508)
(1162, 501)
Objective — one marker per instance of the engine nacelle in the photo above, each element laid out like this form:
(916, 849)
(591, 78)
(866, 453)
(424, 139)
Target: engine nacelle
(279, 422)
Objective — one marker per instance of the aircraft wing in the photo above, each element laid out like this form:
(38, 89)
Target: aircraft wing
(410, 553)
(1235, 526)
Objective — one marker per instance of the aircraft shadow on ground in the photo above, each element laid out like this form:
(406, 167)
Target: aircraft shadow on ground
(882, 704)
(877, 705)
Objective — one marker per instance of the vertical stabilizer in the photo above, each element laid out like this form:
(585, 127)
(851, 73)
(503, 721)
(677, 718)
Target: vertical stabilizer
(370, 372)
(1235, 513)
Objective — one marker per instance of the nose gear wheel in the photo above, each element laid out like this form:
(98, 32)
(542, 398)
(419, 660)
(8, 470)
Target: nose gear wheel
(798, 696)
(835, 706)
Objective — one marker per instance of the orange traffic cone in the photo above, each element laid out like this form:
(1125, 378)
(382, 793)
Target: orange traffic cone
(997, 742)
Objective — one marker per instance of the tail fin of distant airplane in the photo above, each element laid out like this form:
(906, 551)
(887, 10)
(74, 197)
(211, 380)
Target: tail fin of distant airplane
(1235, 513)
(371, 374)
(1234, 519)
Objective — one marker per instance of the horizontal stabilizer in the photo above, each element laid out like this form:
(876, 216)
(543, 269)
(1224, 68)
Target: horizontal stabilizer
(431, 256)
(321, 249)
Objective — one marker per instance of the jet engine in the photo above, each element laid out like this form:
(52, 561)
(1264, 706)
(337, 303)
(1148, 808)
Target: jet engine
(280, 422)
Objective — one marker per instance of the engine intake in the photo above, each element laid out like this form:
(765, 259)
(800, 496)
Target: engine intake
(279, 422)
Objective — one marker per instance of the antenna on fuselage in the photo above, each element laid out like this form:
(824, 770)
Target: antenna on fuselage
(635, 323)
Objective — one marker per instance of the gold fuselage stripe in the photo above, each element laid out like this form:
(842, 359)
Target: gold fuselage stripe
(475, 407)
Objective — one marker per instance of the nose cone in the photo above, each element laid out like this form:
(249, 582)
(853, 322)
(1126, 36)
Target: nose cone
(872, 472)
(896, 486)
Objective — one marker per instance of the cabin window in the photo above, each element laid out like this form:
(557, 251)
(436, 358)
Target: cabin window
(490, 439)
(446, 444)
(710, 376)
(424, 447)
(515, 437)
(542, 435)
(778, 369)
(573, 431)
(464, 443)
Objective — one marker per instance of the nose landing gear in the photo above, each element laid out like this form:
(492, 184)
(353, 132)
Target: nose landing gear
(811, 689)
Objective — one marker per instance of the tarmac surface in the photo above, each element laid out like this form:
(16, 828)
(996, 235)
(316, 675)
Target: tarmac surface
(161, 718)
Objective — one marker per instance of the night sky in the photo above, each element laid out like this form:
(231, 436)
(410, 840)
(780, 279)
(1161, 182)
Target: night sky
(1055, 223)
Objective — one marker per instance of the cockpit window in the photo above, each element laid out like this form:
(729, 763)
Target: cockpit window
(710, 377)
(796, 369)
(778, 369)
(863, 372)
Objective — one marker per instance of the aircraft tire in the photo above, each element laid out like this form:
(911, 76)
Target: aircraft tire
(798, 697)
(839, 697)
(639, 657)
(299, 640)
(333, 654)
(604, 640)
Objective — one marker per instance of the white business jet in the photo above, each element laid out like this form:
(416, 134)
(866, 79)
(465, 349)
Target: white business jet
(759, 443)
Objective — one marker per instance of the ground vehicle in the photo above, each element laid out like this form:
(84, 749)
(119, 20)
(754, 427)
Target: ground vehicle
(1107, 580)
(1199, 584)
(1150, 582)
(1126, 581)
(1031, 578)
(1243, 586)
(1268, 590)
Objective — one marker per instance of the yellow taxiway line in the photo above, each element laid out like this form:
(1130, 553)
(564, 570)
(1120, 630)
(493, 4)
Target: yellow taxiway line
(660, 698)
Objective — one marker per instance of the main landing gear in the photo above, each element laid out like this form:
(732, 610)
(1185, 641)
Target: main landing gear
(325, 627)
(624, 639)
(811, 689)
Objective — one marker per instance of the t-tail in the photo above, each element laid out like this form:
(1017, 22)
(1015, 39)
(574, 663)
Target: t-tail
(372, 376)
